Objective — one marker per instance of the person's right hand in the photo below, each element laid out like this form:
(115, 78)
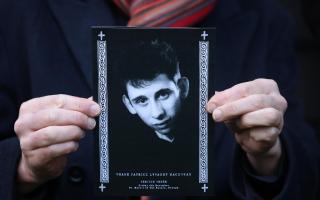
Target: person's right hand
(49, 128)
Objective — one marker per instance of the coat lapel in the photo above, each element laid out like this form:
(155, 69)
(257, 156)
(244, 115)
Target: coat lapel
(75, 18)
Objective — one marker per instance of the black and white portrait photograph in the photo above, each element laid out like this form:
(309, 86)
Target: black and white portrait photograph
(152, 85)
(154, 88)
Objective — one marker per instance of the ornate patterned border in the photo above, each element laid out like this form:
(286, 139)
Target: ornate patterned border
(103, 119)
(203, 116)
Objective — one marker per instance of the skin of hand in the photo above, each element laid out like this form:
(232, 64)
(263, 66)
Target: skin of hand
(49, 128)
(254, 112)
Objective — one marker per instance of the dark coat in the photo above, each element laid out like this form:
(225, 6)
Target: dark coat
(44, 49)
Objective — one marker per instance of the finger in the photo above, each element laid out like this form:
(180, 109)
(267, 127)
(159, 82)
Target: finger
(54, 117)
(257, 140)
(51, 135)
(266, 117)
(44, 155)
(247, 104)
(264, 134)
(86, 106)
(258, 86)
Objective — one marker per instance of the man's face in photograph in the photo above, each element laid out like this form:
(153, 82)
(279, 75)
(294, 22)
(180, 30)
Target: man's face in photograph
(156, 102)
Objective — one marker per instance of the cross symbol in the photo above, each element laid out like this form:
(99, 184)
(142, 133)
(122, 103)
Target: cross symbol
(204, 188)
(101, 35)
(102, 187)
(204, 35)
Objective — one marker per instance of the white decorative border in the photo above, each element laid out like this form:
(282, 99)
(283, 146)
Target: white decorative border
(203, 116)
(103, 118)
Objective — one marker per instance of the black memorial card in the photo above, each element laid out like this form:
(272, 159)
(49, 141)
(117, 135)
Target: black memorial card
(154, 136)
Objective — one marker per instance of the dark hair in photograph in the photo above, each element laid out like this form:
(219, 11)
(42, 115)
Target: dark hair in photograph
(143, 61)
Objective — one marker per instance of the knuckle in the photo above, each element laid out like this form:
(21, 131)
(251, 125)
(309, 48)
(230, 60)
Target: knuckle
(232, 109)
(274, 131)
(255, 135)
(261, 101)
(18, 126)
(59, 100)
(23, 107)
(264, 135)
(256, 138)
(280, 125)
(21, 124)
(258, 101)
(267, 82)
(33, 139)
(272, 83)
(38, 139)
(24, 144)
(244, 90)
(51, 116)
(271, 135)
(245, 122)
(44, 138)
(272, 117)
(79, 118)
(260, 81)
(284, 103)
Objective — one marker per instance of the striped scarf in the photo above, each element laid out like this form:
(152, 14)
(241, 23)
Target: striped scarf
(165, 13)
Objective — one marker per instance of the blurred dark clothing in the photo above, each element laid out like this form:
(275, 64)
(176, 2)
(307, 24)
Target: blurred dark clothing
(45, 49)
(307, 28)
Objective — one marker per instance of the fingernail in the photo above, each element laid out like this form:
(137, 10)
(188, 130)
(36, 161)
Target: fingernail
(216, 92)
(217, 115)
(95, 109)
(91, 123)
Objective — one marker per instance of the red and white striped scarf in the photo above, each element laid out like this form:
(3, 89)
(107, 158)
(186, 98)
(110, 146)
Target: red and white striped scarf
(165, 13)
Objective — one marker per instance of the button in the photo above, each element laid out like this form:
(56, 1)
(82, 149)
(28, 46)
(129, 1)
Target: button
(75, 174)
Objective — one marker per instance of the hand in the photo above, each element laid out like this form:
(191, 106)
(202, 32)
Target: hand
(49, 129)
(254, 112)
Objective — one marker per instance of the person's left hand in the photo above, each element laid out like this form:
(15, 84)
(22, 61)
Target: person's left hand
(254, 112)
